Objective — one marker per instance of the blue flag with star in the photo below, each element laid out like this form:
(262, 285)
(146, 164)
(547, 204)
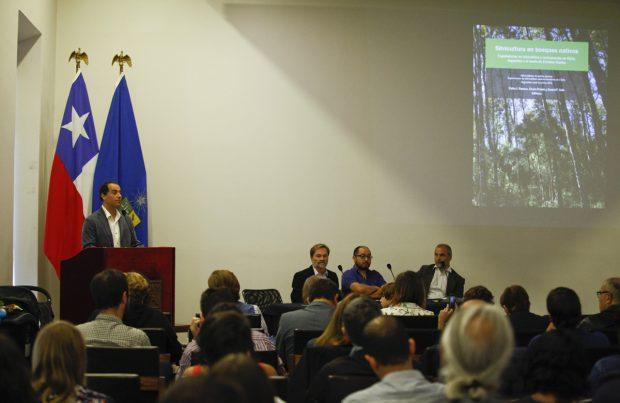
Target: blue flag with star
(120, 160)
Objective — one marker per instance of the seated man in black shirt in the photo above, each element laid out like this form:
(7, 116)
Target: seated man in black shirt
(609, 306)
(355, 316)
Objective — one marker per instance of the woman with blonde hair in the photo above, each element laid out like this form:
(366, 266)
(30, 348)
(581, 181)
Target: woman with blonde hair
(226, 279)
(332, 335)
(58, 365)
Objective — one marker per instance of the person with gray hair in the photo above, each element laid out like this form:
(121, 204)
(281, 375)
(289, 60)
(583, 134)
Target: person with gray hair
(355, 316)
(609, 306)
(477, 345)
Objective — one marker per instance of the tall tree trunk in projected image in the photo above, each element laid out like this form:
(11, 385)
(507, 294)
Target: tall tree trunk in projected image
(480, 167)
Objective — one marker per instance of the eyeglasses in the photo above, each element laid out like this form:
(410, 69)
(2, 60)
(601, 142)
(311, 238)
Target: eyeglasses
(369, 257)
(599, 293)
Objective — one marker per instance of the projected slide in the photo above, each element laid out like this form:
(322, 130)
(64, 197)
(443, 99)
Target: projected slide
(540, 117)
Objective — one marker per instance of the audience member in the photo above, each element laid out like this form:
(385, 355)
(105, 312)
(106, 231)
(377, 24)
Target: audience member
(205, 389)
(389, 352)
(224, 333)
(476, 344)
(333, 335)
(305, 289)
(227, 279)
(14, 374)
(109, 291)
(387, 292)
(354, 318)
(247, 373)
(323, 298)
(565, 312)
(222, 299)
(58, 365)
(319, 256)
(360, 278)
(516, 304)
(409, 297)
(138, 314)
(556, 368)
(609, 307)
(478, 292)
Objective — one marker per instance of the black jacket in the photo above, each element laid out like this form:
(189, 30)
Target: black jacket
(608, 319)
(300, 278)
(455, 285)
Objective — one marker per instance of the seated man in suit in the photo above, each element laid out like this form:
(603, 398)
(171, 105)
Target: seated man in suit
(319, 256)
(440, 279)
(108, 227)
(323, 296)
(609, 307)
(109, 290)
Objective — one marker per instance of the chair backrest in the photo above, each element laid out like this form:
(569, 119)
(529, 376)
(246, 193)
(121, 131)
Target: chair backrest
(262, 298)
(254, 320)
(612, 335)
(123, 388)
(267, 357)
(318, 356)
(524, 336)
(279, 385)
(595, 354)
(418, 322)
(424, 338)
(341, 386)
(157, 337)
(301, 337)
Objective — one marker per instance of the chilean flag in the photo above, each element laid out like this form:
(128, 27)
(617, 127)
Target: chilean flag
(71, 180)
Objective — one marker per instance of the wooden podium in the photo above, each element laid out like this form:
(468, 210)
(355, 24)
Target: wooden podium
(76, 303)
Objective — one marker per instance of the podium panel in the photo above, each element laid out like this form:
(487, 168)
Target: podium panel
(76, 303)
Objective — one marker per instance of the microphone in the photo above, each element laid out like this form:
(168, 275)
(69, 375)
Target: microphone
(389, 266)
(340, 268)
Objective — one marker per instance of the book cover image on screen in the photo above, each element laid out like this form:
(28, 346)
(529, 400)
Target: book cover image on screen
(540, 117)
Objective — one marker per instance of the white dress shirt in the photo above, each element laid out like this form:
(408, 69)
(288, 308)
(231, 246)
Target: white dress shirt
(316, 272)
(114, 226)
(439, 283)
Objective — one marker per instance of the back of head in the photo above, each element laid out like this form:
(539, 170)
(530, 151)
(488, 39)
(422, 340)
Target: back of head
(138, 287)
(223, 333)
(305, 290)
(14, 374)
(564, 308)
(107, 288)
(247, 373)
(225, 279)
(322, 288)
(556, 364)
(477, 345)
(479, 292)
(387, 291)
(205, 389)
(356, 316)
(58, 361)
(213, 296)
(409, 287)
(386, 340)
(515, 299)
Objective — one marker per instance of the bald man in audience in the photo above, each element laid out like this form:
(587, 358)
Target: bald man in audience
(609, 306)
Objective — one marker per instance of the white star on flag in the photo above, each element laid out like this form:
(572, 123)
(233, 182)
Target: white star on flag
(76, 126)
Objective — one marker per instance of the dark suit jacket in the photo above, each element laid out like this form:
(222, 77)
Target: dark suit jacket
(455, 285)
(300, 278)
(96, 231)
(524, 320)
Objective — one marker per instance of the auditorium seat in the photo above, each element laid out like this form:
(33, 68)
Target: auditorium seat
(341, 386)
(301, 337)
(262, 298)
(143, 361)
(267, 357)
(279, 385)
(418, 322)
(123, 388)
(157, 337)
(254, 320)
(424, 338)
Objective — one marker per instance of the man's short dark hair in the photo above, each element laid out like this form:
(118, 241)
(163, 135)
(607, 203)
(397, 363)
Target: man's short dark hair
(515, 298)
(205, 389)
(356, 315)
(386, 340)
(564, 308)
(478, 292)
(104, 189)
(357, 248)
(223, 333)
(225, 307)
(213, 296)
(317, 247)
(107, 288)
(446, 246)
(322, 288)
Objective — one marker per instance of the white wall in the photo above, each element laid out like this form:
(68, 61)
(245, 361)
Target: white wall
(42, 14)
(269, 126)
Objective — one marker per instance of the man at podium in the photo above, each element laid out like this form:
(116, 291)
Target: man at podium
(108, 226)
